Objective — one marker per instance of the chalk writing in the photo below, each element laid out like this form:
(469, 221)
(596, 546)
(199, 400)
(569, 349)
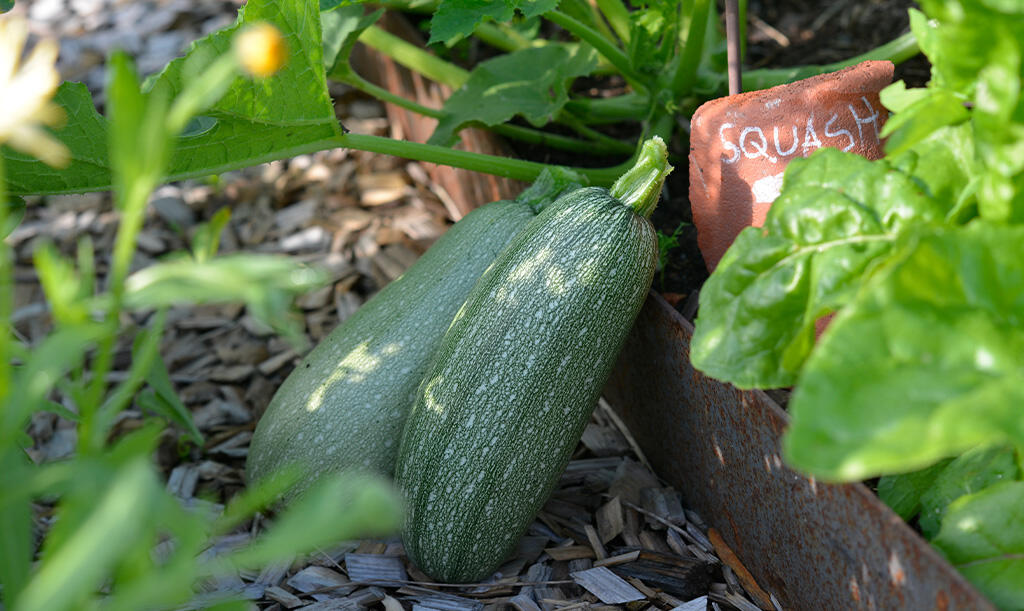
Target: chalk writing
(752, 142)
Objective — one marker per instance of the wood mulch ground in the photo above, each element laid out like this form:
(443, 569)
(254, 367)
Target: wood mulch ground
(611, 535)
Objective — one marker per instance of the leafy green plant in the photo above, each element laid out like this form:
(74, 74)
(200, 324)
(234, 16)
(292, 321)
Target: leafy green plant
(920, 255)
(671, 54)
(120, 540)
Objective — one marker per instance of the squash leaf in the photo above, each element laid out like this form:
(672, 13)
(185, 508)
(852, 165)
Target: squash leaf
(838, 214)
(926, 362)
(254, 122)
(456, 19)
(532, 83)
(983, 537)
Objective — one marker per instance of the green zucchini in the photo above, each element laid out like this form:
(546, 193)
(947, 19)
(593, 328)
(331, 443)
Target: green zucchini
(519, 371)
(343, 407)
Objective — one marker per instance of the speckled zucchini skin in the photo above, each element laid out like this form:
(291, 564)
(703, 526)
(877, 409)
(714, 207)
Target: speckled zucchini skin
(344, 406)
(515, 380)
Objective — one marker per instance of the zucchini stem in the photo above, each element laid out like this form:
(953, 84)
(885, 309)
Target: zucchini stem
(640, 187)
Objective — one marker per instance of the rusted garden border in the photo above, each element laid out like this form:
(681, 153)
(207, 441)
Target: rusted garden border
(814, 545)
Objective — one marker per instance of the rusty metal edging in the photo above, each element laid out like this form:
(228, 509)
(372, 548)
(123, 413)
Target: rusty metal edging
(815, 546)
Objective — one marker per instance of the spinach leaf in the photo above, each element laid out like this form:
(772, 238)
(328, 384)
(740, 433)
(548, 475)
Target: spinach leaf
(926, 362)
(838, 214)
(973, 471)
(983, 537)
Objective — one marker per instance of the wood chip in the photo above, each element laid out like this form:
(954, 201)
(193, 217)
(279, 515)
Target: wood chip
(619, 559)
(523, 603)
(570, 552)
(318, 578)
(608, 587)
(375, 568)
(728, 557)
(277, 361)
(595, 542)
(604, 441)
(697, 604)
(609, 520)
(285, 598)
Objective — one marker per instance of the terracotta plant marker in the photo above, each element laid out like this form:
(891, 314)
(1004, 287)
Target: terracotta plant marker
(740, 144)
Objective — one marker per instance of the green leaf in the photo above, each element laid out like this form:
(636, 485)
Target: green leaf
(341, 29)
(343, 506)
(902, 492)
(256, 121)
(85, 133)
(206, 239)
(48, 363)
(13, 216)
(931, 110)
(971, 472)
(16, 524)
(456, 19)
(163, 400)
(837, 216)
(113, 521)
(945, 164)
(983, 537)
(927, 362)
(6, 5)
(532, 83)
(265, 283)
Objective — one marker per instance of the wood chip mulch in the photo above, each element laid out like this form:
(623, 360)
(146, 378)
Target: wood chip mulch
(612, 536)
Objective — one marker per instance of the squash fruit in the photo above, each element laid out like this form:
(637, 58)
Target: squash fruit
(344, 405)
(519, 371)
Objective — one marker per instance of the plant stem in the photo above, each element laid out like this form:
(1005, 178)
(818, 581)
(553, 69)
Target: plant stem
(477, 162)
(640, 187)
(609, 51)
(896, 50)
(6, 298)
(502, 38)
(618, 17)
(686, 72)
(133, 204)
(599, 143)
(413, 57)
(625, 107)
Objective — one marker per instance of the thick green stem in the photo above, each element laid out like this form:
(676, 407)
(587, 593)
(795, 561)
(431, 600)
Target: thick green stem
(607, 50)
(625, 107)
(413, 57)
(599, 143)
(897, 50)
(618, 17)
(640, 187)
(686, 71)
(477, 162)
(505, 39)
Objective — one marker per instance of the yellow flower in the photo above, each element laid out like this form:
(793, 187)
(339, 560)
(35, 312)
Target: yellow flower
(261, 50)
(26, 93)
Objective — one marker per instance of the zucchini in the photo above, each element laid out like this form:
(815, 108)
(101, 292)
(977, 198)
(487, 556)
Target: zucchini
(519, 371)
(343, 407)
